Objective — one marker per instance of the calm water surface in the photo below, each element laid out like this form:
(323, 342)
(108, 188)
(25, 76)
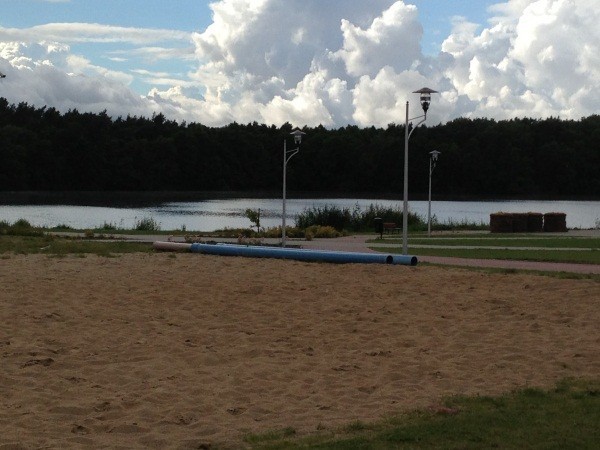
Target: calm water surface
(210, 215)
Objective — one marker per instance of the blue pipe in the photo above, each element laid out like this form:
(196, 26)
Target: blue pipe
(302, 254)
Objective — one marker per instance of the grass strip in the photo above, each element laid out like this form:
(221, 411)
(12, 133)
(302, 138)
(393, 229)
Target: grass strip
(566, 256)
(553, 242)
(53, 245)
(564, 417)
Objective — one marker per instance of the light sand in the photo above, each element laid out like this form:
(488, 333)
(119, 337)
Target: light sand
(176, 351)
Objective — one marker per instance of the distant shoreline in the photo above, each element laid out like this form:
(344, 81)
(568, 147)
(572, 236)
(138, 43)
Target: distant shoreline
(149, 198)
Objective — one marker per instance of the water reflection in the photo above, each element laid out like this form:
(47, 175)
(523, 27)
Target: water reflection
(210, 215)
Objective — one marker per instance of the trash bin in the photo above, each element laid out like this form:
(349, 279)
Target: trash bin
(378, 222)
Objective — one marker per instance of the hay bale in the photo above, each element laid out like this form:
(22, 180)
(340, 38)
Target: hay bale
(501, 222)
(519, 222)
(555, 222)
(535, 222)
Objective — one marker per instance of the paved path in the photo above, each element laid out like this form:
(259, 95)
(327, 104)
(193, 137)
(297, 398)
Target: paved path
(358, 244)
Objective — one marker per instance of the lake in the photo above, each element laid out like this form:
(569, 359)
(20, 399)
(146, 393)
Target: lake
(209, 215)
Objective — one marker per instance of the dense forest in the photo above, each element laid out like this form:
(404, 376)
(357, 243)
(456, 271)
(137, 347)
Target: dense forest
(44, 150)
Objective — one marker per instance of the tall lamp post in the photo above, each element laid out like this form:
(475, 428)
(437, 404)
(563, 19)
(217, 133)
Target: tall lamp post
(433, 157)
(425, 100)
(287, 155)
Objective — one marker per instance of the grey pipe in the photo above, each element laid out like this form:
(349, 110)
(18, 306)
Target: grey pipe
(303, 254)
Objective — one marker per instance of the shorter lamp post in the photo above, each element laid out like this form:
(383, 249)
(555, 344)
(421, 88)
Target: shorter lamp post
(425, 99)
(433, 157)
(287, 155)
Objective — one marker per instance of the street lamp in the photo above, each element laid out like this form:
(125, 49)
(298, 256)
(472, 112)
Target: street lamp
(287, 155)
(433, 157)
(425, 100)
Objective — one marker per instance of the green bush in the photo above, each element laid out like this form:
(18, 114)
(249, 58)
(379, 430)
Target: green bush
(109, 226)
(338, 218)
(20, 228)
(357, 219)
(317, 231)
(247, 233)
(62, 227)
(4, 226)
(23, 224)
(291, 232)
(147, 224)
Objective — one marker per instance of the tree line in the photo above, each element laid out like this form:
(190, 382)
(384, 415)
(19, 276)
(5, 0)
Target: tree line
(44, 150)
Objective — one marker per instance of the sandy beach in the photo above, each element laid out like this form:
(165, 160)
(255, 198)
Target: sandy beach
(185, 351)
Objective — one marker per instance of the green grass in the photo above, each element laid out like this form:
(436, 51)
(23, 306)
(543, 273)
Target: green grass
(545, 242)
(574, 256)
(52, 245)
(524, 247)
(564, 417)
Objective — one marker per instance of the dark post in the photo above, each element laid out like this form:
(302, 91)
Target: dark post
(378, 221)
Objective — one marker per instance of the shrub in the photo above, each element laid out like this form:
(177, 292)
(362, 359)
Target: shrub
(327, 216)
(23, 224)
(318, 231)
(147, 224)
(20, 228)
(108, 226)
(246, 232)
(4, 226)
(355, 220)
(62, 227)
(291, 232)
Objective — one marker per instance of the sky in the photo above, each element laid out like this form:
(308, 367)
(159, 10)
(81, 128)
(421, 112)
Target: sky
(306, 62)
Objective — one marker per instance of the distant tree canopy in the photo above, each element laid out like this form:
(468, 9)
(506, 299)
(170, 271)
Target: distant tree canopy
(44, 150)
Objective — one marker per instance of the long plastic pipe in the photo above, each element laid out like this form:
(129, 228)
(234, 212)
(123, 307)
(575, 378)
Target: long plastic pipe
(302, 254)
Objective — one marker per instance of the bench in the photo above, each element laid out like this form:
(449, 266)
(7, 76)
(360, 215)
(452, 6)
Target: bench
(390, 228)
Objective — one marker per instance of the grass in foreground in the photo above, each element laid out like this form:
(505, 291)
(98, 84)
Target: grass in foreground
(564, 417)
(57, 246)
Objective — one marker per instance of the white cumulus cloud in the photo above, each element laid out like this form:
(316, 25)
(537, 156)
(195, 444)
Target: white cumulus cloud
(537, 58)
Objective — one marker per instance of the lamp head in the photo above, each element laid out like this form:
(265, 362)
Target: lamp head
(425, 98)
(297, 135)
(434, 155)
(2, 75)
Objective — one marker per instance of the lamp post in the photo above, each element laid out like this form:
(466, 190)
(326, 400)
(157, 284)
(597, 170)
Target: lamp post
(425, 100)
(287, 155)
(433, 156)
